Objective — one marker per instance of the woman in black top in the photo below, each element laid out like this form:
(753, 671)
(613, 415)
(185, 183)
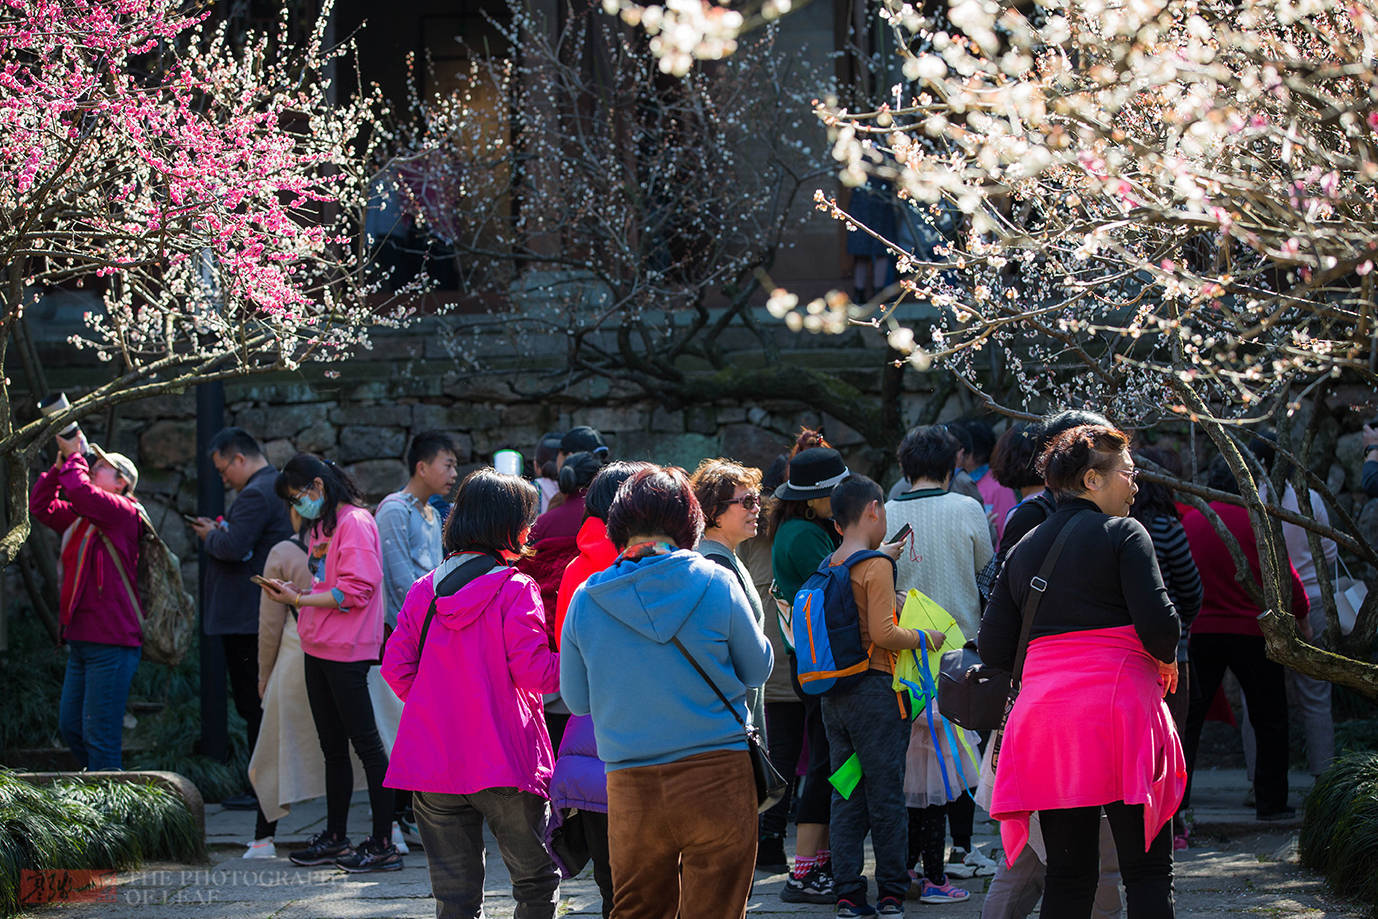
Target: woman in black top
(1106, 583)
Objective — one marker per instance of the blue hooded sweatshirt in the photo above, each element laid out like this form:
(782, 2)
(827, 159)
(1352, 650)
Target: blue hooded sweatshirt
(649, 705)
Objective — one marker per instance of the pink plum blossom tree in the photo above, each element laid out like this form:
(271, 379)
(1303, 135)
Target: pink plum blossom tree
(210, 186)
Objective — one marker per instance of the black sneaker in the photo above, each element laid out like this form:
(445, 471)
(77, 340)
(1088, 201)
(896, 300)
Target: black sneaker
(371, 855)
(814, 887)
(323, 849)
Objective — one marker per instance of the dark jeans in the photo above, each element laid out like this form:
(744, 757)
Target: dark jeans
(864, 719)
(785, 736)
(241, 665)
(1073, 839)
(596, 838)
(1265, 689)
(451, 828)
(815, 802)
(95, 688)
(343, 712)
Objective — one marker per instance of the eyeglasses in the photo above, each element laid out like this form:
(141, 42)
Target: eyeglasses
(749, 501)
(1132, 473)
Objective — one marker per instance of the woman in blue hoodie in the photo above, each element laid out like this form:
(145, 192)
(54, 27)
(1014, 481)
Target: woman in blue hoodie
(681, 797)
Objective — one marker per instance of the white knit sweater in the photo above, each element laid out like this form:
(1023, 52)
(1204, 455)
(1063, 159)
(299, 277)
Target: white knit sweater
(949, 545)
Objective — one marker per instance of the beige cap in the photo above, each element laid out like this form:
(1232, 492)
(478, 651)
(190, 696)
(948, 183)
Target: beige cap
(122, 464)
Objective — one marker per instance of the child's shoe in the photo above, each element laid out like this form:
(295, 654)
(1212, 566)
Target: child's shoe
(890, 906)
(940, 893)
(398, 840)
(814, 887)
(973, 864)
(846, 909)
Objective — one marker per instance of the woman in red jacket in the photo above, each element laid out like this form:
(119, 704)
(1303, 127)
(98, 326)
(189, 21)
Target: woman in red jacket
(1226, 635)
(95, 511)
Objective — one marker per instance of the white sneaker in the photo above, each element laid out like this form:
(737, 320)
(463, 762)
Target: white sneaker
(973, 864)
(261, 848)
(398, 840)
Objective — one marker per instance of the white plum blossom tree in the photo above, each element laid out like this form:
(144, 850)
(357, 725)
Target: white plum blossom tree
(1168, 211)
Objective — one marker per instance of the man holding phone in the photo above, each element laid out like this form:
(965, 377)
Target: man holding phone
(236, 549)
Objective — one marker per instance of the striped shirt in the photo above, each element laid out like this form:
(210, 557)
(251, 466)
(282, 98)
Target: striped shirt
(1180, 575)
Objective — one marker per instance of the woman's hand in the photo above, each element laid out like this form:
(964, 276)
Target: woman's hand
(281, 591)
(1167, 677)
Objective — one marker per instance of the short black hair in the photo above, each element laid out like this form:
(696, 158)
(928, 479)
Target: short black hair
(1014, 461)
(959, 431)
(229, 441)
(656, 502)
(982, 439)
(578, 472)
(928, 452)
(1054, 423)
(547, 450)
(603, 489)
(851, 497)
(1221, 477)
(490, 512)
(425, 446)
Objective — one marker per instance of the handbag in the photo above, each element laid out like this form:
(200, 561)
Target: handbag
(978, 696)
(1349, 596)
(770, 784)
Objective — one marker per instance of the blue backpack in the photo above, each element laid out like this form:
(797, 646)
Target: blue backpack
(827, 628)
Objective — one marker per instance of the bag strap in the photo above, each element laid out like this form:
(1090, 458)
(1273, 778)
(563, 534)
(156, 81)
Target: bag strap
(124, 575)
(1038, 585)
(714, 686)
(454, 575)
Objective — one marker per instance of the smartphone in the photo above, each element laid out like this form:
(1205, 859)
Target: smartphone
(902, 534)
(190, 518)
(261, 581)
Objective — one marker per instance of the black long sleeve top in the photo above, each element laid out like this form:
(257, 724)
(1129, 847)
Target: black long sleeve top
(1107, 576)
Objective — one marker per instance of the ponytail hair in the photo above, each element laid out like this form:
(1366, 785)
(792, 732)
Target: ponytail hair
(303, 469)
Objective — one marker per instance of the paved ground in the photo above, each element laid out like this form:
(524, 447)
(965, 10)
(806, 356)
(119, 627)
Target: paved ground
(1233, 869)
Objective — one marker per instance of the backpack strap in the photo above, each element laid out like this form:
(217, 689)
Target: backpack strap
(447, 580)
(1038, 585)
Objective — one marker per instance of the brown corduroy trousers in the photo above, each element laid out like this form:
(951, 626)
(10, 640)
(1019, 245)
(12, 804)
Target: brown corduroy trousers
(682, 837)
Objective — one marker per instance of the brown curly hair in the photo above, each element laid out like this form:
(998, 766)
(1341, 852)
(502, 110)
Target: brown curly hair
(1065, 461)
(716, 480)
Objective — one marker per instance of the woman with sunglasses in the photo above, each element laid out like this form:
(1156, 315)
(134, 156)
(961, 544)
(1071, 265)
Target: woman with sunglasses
(340, 621)
(730, 496)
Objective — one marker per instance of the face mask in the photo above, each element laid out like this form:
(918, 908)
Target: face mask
(309, 508)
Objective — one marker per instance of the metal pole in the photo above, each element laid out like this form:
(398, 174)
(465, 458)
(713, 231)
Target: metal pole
(210, 502)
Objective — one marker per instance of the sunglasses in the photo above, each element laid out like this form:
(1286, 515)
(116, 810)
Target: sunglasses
(750, 501)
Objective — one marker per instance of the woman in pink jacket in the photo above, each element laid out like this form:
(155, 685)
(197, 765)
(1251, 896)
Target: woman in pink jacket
(340, 621)
(471, 658)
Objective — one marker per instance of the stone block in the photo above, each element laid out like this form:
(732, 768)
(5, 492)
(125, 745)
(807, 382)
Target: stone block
(1368, 522)
(318, 438)
(279, 451)
(685, 450)
(664, 421)
(1349, 453)
(167, 444)
(154, 481)
(731, 414)
(378, 478)
(365, 442)
(385, 414)
(748, 444)
(169, 525)
(529, 415)
(168, 405)
(612, 418)
(701, 419)
(281, 421)
(1335, 478)
(840, 434)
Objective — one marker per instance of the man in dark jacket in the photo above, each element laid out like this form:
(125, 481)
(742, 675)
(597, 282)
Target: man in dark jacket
(236, 548)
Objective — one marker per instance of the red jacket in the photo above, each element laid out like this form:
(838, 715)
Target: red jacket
(95, 605)
(596, 552)
(1225, 607)
(554, 543)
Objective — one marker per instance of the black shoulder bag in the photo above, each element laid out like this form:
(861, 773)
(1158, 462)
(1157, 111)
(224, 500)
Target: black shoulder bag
(770, 784)
(977, 696)
(449, 579)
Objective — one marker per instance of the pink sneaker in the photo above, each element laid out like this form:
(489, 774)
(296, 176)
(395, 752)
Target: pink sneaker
(1179, 842)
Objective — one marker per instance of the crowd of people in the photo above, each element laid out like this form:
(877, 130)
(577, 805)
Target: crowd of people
(583, 661)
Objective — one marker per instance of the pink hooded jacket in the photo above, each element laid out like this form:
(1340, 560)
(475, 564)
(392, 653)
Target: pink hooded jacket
(473, 717)
(353, 572)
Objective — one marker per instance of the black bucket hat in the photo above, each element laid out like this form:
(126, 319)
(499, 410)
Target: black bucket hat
(812, 474)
